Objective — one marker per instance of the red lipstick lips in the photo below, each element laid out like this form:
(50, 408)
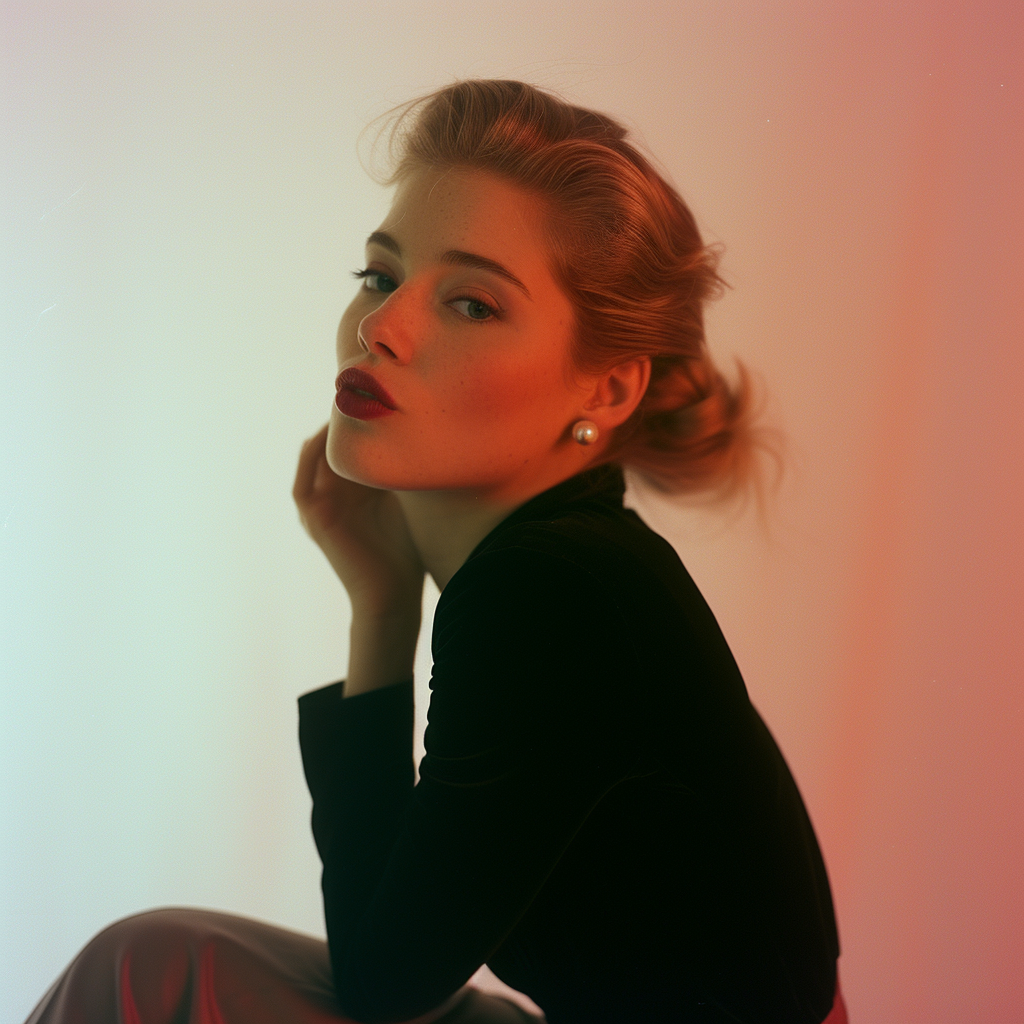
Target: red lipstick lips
(360, 396)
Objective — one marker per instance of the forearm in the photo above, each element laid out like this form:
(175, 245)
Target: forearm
(382, 648)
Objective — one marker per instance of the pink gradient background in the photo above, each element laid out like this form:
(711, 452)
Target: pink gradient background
(182, 200)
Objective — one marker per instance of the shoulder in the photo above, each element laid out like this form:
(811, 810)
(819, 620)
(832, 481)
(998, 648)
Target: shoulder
(577, 618)
(569, 589)
(590, 582)
(527, 585)
(531, 638)
(595, 553)
(581, 553)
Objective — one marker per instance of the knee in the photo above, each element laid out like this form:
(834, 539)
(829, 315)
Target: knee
(148, 953)
(167, 927)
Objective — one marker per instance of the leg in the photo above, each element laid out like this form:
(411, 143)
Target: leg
(180, 966)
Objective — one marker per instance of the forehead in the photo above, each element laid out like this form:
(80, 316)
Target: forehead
(467, 208)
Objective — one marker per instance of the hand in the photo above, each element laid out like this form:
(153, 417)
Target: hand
(363, 532)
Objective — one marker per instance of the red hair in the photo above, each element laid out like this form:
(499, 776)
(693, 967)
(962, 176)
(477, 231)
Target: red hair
(626, 251)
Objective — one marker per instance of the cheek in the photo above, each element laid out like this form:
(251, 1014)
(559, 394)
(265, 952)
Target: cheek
(508, 390)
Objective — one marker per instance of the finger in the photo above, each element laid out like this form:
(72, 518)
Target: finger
(313, 450)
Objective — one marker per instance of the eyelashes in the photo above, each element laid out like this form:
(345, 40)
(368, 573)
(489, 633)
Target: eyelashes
(366, 276)
(378, 281)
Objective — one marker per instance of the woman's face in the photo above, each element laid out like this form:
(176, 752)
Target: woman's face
(463, 331)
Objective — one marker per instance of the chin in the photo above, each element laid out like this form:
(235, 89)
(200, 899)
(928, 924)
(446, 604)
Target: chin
(350, 455)
(341, 452)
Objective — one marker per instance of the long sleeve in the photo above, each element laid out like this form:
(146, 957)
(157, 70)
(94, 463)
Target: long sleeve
(421, 884)
(357, 757)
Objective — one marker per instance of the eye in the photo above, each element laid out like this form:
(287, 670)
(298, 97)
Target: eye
(375, 281)
(473, 309)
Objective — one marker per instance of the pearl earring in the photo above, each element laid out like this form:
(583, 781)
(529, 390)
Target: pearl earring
(584, 432)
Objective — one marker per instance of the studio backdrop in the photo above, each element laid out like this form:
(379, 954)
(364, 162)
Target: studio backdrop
(183, 200)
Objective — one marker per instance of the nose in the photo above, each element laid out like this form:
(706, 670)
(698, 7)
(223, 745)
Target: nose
(386, 332)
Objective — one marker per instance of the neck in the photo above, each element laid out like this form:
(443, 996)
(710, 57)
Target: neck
(447, 525)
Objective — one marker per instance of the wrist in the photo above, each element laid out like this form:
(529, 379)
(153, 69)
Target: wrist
(382, 648)
(393, 602)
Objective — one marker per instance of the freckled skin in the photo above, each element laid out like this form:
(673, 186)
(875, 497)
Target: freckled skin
(485, 404)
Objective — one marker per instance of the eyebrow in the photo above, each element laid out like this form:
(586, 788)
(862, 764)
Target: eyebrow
(454, 257)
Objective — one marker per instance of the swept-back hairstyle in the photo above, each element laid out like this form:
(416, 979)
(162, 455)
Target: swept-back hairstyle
(626, 251)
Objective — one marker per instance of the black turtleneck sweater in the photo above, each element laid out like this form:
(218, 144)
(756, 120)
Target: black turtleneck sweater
(601, 817)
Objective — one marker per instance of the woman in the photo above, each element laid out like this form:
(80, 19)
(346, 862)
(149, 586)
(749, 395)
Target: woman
(601, 815)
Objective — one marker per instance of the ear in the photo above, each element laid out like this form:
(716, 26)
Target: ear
(618, 392)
